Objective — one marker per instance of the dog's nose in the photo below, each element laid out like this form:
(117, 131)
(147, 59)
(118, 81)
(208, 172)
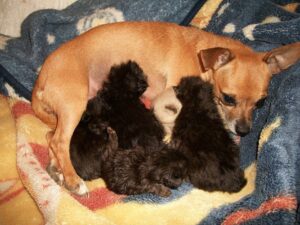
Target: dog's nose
(242, 128)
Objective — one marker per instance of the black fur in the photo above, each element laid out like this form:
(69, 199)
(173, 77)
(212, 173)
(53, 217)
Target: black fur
(146, 165)
(199, 133)
(137, 171)
(88, 144)
(130, 171)
(119, 104)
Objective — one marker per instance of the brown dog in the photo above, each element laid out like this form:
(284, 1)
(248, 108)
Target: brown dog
(166, 52)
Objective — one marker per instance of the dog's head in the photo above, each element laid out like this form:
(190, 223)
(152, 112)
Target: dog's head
(241, 79)
(169, 167)
(127, 79)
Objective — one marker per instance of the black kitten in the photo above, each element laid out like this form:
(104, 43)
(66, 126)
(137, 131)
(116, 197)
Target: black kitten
(130, 171)
(88, 144)
(137, 171)
(199, 133)
(119, 104)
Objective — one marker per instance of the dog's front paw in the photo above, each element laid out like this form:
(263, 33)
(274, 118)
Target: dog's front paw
(77, 186)
(55, 174)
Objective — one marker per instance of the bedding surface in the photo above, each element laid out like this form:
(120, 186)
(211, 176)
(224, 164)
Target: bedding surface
(269, 154)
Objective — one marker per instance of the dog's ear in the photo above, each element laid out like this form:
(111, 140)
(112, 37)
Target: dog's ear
(214, 58)
(283, 57)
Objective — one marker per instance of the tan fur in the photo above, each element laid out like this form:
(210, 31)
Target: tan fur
(166, 108)
(166, 52)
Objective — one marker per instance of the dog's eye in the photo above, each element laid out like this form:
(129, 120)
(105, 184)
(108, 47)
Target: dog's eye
(260, 103)
(228, 100)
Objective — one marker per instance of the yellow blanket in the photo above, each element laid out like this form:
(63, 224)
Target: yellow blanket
(29, 196)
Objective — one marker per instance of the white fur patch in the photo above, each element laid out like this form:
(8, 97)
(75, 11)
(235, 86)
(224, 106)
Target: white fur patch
(83, 190)
(99, 17)
(229, 28)
(50, 39)
(162, 107)
(222, 9)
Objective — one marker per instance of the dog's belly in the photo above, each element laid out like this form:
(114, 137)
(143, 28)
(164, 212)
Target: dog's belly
(156, 81)
(95, 84)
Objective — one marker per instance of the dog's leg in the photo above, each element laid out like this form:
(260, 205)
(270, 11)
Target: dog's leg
(60, 144)
(53, 168)
(47, 116)
(43, 111)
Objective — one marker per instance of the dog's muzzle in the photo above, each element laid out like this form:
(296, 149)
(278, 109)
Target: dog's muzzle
(242, 128)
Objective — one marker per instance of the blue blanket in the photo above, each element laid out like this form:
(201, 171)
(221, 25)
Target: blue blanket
(274, 142)
(264, 25)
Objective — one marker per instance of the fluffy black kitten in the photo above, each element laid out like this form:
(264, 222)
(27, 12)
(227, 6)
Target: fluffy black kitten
(199, 133)
(119, 104)
(130, 171)
(137, 171)
(88, 145)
